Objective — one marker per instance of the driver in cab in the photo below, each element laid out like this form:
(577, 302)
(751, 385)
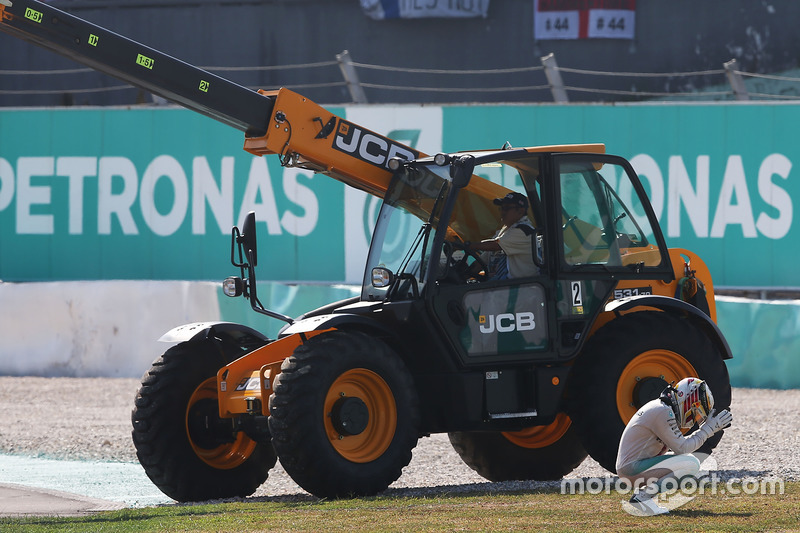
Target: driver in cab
(510, 250)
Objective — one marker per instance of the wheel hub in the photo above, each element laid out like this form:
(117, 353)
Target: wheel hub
(645, 376)
(206, 429)
(350, 416)
(648, 389)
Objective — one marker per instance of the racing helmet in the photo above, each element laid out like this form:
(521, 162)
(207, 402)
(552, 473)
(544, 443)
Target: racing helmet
(691, 401)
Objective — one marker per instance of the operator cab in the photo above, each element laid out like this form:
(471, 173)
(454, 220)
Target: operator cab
(601, 222)
(592, 226)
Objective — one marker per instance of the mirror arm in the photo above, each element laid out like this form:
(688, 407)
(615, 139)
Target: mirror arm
(255, 303)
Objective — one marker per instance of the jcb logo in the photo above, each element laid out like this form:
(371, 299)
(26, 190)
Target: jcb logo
(249, 384)
(368, 146)
(506, 322)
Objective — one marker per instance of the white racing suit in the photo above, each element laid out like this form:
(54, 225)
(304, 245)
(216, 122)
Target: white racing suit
(652, 432)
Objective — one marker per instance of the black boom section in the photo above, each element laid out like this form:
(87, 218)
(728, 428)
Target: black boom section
(139, 65)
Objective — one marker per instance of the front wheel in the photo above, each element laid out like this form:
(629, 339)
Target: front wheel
(628, 363)
(344, 415)
(537, 453)
(186, 449)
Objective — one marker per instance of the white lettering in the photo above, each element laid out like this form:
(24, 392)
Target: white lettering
(727, 213)
(351, 146)
(119, 204)
(368, 152)
(647, 168)
(398, 151)
(525, 321)
(773, 228)
(487, 324)
(29, 195)
(259, 184)
(370, 147)
(76, 169)
(37, 188)
(682, 192)
(302, 196)
(507, 322)
(164, 166)
(509, 326)
(6, 183)
(205, 190)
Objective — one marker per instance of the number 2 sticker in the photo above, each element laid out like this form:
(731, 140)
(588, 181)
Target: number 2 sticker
(577, 297)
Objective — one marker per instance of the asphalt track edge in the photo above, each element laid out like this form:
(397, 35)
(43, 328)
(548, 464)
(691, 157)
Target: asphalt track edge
(17, 501)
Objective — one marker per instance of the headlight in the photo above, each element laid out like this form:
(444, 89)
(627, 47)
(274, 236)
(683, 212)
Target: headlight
(441, 159)
(232, 286)
(395, 163)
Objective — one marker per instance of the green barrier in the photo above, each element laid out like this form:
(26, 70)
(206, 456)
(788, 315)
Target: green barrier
(765, 339)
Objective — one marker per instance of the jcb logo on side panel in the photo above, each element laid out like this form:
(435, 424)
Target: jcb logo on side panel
(506, 322)
(249, 384)
(367, 146)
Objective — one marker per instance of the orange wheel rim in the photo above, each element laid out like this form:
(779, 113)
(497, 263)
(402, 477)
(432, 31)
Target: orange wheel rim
(228, 455)
(540, 436)
(378, 399)
(663, 364)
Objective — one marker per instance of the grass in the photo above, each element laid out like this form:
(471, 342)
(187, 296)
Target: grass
(548, 510)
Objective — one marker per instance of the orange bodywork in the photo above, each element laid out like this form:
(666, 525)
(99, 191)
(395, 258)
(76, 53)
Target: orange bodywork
(297, 132)
(678, 257)
(306, 135)
(251, 377)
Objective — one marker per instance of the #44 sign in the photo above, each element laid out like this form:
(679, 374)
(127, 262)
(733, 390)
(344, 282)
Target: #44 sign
(584, 19)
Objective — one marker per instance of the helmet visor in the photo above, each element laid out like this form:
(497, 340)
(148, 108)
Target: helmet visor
(699, 412)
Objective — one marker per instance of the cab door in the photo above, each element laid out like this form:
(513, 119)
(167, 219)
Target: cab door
(499, 321)
(606, 231)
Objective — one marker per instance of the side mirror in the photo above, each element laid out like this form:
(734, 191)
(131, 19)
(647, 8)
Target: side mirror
(461, 170)
(248, 238)
(382, 277)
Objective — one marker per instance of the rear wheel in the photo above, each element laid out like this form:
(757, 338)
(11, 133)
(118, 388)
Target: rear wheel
(628, 363)
(344, 415)
(186, 449)
(537, 453)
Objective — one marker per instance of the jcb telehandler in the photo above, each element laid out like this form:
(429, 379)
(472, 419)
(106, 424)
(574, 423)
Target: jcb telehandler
(527, 375)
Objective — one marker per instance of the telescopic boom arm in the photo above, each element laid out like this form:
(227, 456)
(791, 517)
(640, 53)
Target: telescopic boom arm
(123, 58)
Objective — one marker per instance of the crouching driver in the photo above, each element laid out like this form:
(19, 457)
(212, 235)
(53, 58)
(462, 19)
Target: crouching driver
(655, 429)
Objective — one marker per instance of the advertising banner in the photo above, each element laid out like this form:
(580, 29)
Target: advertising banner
(151, 194)
(722, 178)
(584, 19)
(413, 9)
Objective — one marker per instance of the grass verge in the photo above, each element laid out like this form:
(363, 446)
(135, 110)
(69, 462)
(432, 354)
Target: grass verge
(549, 510)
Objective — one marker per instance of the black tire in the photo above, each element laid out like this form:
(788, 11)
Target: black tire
(326, 378)
(168, 451)
(604, 391)
(499, 456)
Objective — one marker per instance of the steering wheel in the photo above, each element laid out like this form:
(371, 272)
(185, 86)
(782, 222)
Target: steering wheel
(459, 269)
